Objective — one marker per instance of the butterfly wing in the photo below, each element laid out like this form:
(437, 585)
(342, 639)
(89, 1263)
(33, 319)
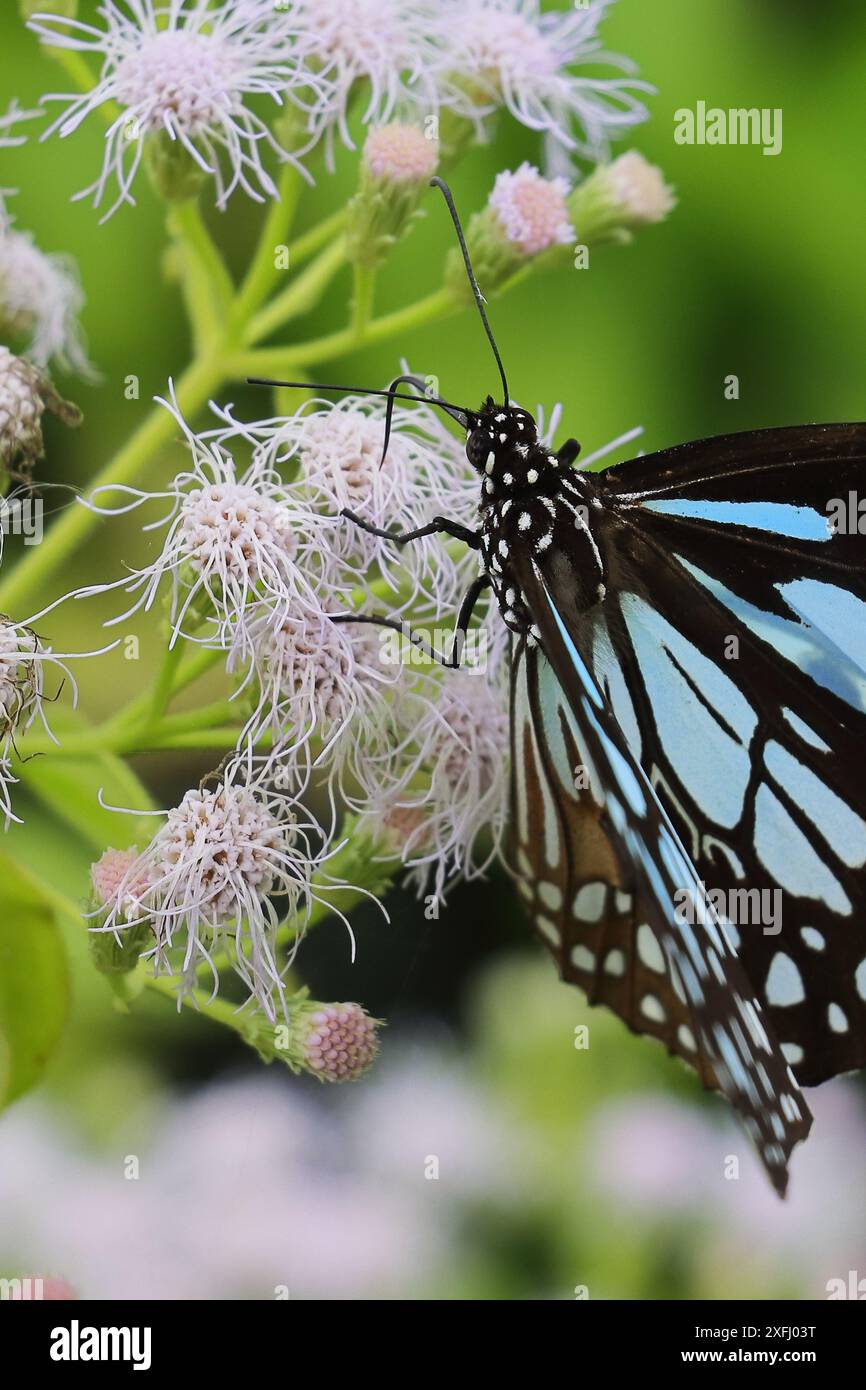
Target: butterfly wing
(685, 980)
(731, 645)
(580, 896)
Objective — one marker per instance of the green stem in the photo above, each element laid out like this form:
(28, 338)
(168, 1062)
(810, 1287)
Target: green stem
(163, 686)
(307, 245)
(217, 1010)
(263, 268)
(364, 281)
(300, 297)
(282, 361)
(198, 382)
(188, 225)
(154, 740)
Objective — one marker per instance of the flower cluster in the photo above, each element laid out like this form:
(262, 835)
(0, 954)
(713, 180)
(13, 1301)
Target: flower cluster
(181, 78)
(349, 750)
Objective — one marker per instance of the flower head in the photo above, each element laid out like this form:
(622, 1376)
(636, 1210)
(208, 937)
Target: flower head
(619, 197)
(240, 549)
(386, 52)
(640, 189)
(525, 216)
(339, 450)
(396, 166)
(399, 153)
(455, 782)
(509, 53)
(25, 393)
(531, 210)
(318, 678)
(207, 881)
(337, 1042)
(23, 659)
(40, 300)
(182, 73)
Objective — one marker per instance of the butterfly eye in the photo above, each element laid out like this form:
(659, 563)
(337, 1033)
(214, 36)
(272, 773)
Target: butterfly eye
(477, 447)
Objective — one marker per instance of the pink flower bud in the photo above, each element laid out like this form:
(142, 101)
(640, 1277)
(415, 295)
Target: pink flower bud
(338, 1041)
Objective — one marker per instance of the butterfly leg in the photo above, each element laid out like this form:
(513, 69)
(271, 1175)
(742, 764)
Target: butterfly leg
(569, 451)
(439, 526)
(461, 627)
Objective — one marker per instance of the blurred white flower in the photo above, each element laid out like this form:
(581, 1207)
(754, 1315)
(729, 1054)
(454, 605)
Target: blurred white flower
(306, 1220)
(183, 70)
(40, 300)
(640, 189)
(510, 53)
(387, 53)
(241, 550)
(445, 811)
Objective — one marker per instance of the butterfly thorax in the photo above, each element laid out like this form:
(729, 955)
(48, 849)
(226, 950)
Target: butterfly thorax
(532, 505)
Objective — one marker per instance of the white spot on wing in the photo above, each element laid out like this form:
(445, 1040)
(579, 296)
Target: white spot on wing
(649, 949)
(784, 982)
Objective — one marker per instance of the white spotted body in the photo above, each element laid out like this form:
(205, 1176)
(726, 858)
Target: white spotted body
(533, 500)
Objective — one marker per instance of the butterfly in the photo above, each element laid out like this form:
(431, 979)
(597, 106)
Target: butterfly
(688, 714)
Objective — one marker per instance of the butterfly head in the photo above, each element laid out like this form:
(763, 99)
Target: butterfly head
(502, 445)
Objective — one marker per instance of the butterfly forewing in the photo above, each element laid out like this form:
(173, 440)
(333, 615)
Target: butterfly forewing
(731, 646)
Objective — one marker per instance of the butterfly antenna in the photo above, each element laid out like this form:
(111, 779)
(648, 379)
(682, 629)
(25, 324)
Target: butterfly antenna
(436, 182)
(457, 412)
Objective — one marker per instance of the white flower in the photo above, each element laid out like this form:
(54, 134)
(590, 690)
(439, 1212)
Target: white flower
(40, 300)
(531, 210)
(510, 53)
(240, 550)
(23, 658)
(425, 473)
(205, 882)
(183, 70)
(448, 818)
(387, 52)
(25, 394)
(324, 680)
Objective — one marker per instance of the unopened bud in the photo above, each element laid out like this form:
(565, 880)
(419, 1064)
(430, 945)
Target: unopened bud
(396, 166)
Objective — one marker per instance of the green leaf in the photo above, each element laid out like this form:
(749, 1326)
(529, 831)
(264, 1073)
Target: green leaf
(34, 983)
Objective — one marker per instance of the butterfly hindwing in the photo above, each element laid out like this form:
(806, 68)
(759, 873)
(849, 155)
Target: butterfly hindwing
(702, 987)
(582, 901)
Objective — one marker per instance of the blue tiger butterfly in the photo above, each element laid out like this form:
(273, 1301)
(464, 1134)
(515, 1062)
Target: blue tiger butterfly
(648, 764)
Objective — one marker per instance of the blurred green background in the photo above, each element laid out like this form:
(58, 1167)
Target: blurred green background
(558, 1168)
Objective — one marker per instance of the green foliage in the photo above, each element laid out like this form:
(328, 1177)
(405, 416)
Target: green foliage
(34, 985)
